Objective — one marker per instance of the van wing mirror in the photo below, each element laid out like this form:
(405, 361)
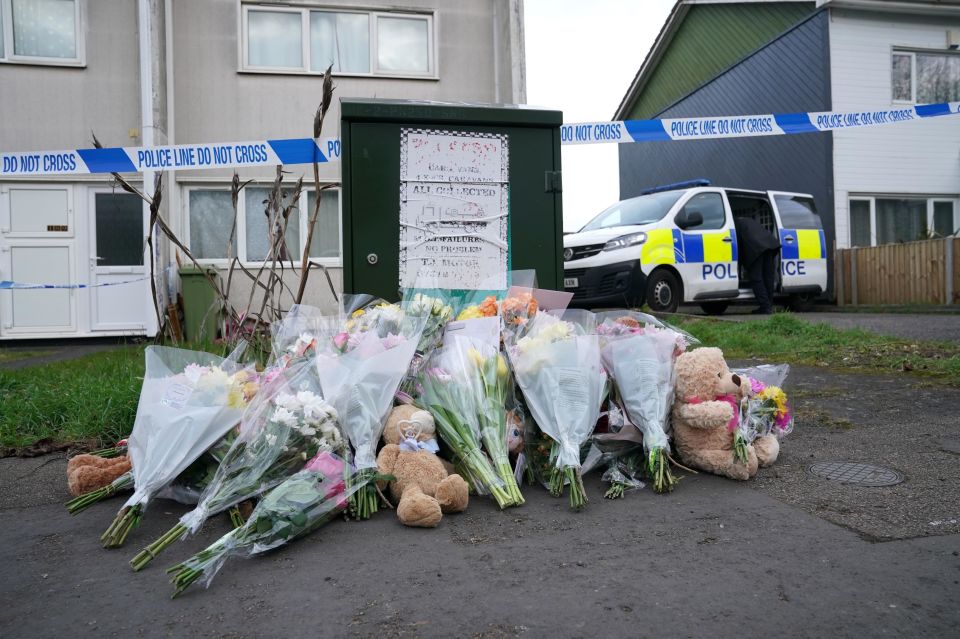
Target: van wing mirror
(685, 219)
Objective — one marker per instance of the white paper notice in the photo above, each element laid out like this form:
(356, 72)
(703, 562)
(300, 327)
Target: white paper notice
(454, 209)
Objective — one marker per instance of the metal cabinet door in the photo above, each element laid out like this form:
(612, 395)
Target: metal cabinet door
(371, 214)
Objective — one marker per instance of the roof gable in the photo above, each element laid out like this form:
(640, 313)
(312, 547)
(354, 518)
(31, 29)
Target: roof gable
(700, 40)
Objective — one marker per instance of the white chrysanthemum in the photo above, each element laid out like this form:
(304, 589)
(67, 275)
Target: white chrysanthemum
(215, 377)
(286, 400)
(308, 431)
(271, 439)
(284, 416)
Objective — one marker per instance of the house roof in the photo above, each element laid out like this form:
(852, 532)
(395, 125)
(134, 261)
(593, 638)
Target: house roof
(682, 7)
(663, 41)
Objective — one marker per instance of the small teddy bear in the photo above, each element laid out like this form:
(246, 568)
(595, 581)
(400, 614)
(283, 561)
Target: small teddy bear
(86, 473)
(422, 485)
(705, 416)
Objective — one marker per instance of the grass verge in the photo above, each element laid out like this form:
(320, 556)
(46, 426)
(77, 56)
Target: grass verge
(785, 337)
(91, 399)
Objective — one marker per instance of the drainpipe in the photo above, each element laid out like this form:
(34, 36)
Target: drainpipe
(147, 139)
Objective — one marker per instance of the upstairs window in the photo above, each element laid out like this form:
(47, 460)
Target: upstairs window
(367, 43)
(41, 32)
(925, 77)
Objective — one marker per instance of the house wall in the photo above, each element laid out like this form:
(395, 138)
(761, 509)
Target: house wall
(920, 157)
(790, 74)
(51, 107)
(215, 101)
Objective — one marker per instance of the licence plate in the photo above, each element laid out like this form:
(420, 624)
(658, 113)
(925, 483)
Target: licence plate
(571, 282)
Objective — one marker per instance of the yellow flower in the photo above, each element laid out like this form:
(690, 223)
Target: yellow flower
(502, 371)
(476, 357)
(358, 313)
(775, 394)
(471, 312)
(235, 398)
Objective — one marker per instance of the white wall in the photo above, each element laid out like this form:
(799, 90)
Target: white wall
(920, 157)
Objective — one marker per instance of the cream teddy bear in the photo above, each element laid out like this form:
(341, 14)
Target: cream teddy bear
(705, 412)
(422, 485)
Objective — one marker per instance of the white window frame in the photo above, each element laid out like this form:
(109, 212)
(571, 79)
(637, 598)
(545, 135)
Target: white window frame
(912, 54)
(332, 262)
(7, 55)
(872, 199)
(305, 68)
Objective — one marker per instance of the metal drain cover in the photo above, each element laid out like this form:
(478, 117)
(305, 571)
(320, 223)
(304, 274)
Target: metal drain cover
(855, 473)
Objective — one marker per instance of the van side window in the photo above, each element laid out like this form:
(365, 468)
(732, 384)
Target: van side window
(710, 206)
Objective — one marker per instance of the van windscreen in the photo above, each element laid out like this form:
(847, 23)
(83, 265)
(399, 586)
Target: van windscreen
(639, 210)
(797, 212)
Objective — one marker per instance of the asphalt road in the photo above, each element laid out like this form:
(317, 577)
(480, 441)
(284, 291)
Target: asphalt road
(787, 554)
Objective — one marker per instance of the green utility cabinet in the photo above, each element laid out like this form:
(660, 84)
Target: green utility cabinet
(386, 171)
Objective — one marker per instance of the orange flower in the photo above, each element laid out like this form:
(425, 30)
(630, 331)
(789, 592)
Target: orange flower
(488, 307)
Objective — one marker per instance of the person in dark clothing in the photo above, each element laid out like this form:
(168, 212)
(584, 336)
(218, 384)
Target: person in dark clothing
(757, 251)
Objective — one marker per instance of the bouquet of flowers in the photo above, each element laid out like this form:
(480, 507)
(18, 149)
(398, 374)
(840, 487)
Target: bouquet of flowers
(639, 352)
(488, 307)
(618, 444)
(436, 311)
(452, 390)
(516, 311)
(301, 504)
(766, 411)
(287, 424)
(189, 400)
(495, 386)
(557, 366)
(360, 371)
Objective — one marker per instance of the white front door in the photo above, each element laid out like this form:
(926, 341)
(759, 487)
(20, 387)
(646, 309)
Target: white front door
(116, 258)
(37, 244)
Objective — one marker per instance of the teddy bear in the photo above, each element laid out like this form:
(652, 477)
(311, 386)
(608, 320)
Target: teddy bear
(423, 487)
(86, 473)
(705, 415)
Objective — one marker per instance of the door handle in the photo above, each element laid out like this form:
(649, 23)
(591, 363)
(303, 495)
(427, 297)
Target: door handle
(788, 239)
(728, 239)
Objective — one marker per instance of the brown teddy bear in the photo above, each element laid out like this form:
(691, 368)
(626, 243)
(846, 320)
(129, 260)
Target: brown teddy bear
(86, 473)
(422, 487)
(705, 412)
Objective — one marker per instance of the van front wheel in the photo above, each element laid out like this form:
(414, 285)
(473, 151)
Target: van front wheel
(663, 292)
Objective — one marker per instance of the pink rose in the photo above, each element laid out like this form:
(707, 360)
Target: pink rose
(756, 385)
(327, 464)
(340, 341)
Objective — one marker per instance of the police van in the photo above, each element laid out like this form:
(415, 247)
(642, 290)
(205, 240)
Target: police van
(677, 244)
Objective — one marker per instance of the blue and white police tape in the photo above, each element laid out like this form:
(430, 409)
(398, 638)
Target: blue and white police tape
(308, 150)
(745, 126)
(8, 285)
(180, 157)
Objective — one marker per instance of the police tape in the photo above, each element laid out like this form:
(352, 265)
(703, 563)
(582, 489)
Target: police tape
(745, 126)
(324, 150)
(180, 157)
(9, 285)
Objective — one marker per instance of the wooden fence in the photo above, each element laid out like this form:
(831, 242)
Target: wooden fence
(925, 272)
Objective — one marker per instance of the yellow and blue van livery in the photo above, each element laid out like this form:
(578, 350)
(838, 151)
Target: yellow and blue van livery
(680, 245)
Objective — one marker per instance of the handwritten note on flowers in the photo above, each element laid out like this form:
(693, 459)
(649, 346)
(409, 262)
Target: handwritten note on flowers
(454, 206)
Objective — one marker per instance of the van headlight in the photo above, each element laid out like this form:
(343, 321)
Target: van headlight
(625, 240)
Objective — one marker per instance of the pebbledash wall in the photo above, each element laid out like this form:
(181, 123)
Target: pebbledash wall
(206, 90)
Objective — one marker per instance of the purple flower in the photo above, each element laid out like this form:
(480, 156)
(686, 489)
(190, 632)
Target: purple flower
(756, 385)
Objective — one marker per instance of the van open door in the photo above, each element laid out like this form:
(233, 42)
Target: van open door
(803, 247)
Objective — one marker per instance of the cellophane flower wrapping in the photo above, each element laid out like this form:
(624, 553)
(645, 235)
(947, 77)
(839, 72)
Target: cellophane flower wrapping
(765, 410)
(188, 402)
(305, 501)
(452, 391)
(557, 366)
(361, 368)
(287, 424)
(639, 352)
(619, 449)
(436, 308)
